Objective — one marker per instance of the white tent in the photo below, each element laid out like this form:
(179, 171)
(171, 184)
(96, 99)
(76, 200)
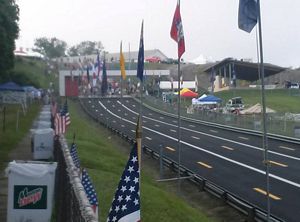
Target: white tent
(256, 109)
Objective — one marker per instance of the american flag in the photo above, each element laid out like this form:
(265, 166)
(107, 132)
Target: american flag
(60, 124)
(65, 113)
(90, 191)
(74, 155)
(126, 203)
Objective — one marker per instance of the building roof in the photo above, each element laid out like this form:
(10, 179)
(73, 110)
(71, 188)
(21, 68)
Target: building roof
(246, 70)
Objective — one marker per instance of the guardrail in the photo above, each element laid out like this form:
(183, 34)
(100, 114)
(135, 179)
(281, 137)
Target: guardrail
(72, 204)
(252, 212)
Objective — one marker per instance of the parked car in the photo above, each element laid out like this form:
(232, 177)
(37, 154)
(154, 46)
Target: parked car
(295, 86)
(234, 104)
(153, 59)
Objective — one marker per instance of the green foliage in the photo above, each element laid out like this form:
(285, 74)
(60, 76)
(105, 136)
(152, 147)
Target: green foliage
(10, 137)
(105, 161)
(281, 100)
(85, 48)
(9, 30)
(50, 47)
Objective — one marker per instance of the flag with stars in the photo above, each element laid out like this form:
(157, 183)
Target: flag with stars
(65, 113)
(126, 203)
(90, 191)
(74, 155)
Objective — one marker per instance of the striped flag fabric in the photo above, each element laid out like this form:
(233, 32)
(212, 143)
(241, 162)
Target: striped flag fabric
(89, 191)
(65, 113)
(122, 63)
(126, 203)
(60, 124)
(74, 155)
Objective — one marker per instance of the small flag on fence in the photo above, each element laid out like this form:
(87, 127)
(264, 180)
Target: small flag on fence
(65, 113)
(60, 124)
(90, 191)
(74, 155)
(126, 203)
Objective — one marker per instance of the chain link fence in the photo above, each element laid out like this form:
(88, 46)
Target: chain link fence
(281, 124)
(72, 204)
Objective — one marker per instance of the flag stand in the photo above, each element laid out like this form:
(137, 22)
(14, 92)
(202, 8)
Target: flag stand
(265, 142)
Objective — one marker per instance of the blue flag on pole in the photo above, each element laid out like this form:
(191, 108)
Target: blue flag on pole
(104, 80)
(248, 13)
(140, 68)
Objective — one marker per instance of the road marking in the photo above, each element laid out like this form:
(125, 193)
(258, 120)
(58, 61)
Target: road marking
(133, 105)
(227, 148)
(262, 172)
(144, 121)
(205, 165)
(192, 126)
(122, 126)
(114, 121)
(150, 114)
(93, 106)
(126, 114)
(148, 138)
(287, 148)
(173, 130)
(96, 110)
(90, 101)
(278, 164)
(243, 138)
(133, 117)
(170, 148)
(161, 117)
(265, 193)
(101, 114)
(119, 110)
(113, 106)
(194, 137)
(156, 125)
(127, 101)
(133, 131)
(213, 131)
(174, 121)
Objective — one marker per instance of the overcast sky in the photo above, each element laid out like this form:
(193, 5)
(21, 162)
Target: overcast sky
(210, 26)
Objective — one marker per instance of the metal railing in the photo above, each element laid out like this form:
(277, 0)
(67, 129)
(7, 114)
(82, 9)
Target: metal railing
(72, 204)
(252, 212)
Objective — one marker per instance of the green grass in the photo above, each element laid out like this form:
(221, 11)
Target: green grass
(10, 137)
(281, 100)
(105, 161)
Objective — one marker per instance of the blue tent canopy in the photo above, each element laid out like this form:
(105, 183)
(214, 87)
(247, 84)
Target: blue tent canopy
(210, 98)
(11, 86)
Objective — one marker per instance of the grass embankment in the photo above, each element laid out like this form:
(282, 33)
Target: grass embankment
(11, 137)
(281, 100)
(105, 160)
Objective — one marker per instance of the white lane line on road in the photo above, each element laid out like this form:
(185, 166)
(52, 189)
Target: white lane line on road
(144, 121)
(114, 121)
(227, 148)
(161, 117)
(133, 105)
(133, 131)
(113, 106)
(96, 110)
(150, 114)
(119, 110)
(122, 126)
(156, 125)
(195, 137)
(126, 114)
(148, 138)
(174, 121)
(216, 137)
(127, 101)
(213, 131)
(287, 148)
(210, 152)
(174, 131)
(192, 126)
(243, 138)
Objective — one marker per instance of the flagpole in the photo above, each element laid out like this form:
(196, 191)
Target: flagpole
(179, 125)
(265, 144)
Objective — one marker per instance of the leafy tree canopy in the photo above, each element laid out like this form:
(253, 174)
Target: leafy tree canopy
(9, 30)
(50, 47)
(85, 48)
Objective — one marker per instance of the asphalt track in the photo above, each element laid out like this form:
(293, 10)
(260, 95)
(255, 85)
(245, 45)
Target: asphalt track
(232, 160)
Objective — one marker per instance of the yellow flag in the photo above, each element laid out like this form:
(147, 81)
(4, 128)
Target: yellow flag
(122, 63)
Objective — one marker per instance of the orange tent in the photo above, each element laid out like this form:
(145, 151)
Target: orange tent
(185, 92)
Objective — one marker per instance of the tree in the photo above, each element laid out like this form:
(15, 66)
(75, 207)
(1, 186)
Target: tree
(50, 47)
(88, 47)
(73, 51)
(9, 31)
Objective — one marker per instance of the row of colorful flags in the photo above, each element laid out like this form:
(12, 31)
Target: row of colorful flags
(61, 118)
(126, 202)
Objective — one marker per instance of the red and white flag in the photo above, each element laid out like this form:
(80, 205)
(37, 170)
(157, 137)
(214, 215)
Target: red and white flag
(177, 31)
(60, 124)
